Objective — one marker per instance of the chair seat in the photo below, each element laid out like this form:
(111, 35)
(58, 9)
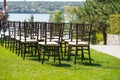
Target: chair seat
(49, 43)
(29, 40)
(79, 44)
(64, 38)
(55, 40)
(12, 36)
(7, 34)
(39, 38)
(22, 38)
(69, 40)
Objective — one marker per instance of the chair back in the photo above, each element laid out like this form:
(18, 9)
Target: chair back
(41, 27)
(54, 31)
(66, 33)
(80, 32)
(26, 30)
(83, 32)
(13, 27)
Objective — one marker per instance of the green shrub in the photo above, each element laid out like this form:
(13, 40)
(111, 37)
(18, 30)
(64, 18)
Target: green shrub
(99, 37)
(114, 24)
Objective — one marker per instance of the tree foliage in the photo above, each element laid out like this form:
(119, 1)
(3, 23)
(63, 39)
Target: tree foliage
(97, 12)
(58, 16)
(31, 18)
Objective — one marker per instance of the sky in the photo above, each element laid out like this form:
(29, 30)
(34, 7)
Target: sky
(44, 0)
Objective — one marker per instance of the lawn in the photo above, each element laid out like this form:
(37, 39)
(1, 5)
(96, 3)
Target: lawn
(13, 67)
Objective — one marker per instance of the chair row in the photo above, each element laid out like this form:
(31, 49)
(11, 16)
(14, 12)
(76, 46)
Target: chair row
(48, 39)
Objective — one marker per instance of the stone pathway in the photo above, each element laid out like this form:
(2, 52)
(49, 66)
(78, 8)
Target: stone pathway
(108, 49)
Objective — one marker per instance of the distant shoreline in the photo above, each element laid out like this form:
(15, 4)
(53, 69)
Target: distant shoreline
(25, 13)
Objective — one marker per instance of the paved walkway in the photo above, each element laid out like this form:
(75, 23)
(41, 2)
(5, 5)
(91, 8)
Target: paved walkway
(108, 49)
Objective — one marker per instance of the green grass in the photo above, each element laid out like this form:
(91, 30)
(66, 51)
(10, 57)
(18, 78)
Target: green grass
(13, 67)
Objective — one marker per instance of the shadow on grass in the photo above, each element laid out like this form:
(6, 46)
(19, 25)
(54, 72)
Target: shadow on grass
(61, 65)
(33, 59)
(64, 61)
(92, 64)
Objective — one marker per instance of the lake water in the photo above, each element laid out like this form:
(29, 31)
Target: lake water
(24, 16)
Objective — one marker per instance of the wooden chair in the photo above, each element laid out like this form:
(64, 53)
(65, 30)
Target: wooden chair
(80, 32)
(19, 37)
(66, 36)
(14, 33)
(5, 36)
(51, 44)
(55, 36)
(28, 40)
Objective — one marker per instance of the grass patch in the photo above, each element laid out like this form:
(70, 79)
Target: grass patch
(13, 67)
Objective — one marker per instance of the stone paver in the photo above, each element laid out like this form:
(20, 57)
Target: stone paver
(108, 49)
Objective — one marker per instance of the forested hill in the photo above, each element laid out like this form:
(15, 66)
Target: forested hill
(37, 6)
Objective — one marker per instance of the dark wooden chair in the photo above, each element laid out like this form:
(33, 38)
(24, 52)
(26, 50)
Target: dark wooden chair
(28, 41)
(19, 37)
(5, 36)
(14, 33)
(80, 32)
(66, 37)
(52, 41)
(55, 36)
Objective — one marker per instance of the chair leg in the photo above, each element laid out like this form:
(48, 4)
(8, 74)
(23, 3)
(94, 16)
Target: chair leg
(57, 53)
(75, 59)
(61, 49)
(82, 54)
(59, 56)
(39, 50)
(21, 49)
(8, 44)
(69, 52)
(54, 54)
(89, 55)
(18, 48)
(24, 51)
(13, 46)
(48, 51)
(36, 48)
(5, 41)
(30, 49)
(11, 43)
(44, 54)
(65, 49)
(76, 53)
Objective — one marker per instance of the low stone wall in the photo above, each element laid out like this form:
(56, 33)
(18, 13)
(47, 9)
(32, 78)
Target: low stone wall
(113, 39)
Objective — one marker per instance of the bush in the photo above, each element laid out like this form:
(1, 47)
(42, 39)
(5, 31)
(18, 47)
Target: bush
(114, 24)
(99, 37)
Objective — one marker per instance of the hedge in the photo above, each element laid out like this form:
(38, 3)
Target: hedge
(115, 24)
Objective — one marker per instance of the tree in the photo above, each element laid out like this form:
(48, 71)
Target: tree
(97, 12)
(68, 11)
(31, 18)
(51, 17)
(58, 16)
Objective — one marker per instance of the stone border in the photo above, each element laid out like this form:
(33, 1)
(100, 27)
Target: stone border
(113, 39)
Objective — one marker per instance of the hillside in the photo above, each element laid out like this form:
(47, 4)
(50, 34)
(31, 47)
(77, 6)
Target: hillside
(37, 6)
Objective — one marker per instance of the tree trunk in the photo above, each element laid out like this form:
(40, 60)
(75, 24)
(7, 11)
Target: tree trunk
(4, 5)
(104, 36)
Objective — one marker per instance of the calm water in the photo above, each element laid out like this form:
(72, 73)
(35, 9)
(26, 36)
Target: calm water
(24, 16)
